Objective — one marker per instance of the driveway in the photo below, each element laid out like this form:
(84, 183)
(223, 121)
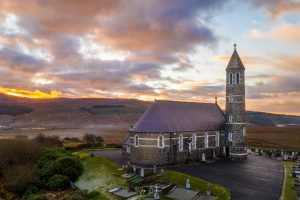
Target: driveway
(258, 178)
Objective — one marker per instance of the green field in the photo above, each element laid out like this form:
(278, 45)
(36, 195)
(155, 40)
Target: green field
(288, 193)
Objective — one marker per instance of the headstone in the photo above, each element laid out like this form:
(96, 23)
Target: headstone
(154, 169)
(156, 194)
(203, 157)
(162, 171)
(187, 184)
(208, 190)
(134, 168)
(165, 179)
(142, 172)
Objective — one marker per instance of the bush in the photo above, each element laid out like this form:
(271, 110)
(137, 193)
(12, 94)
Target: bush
(77, 195)
(57, 182)
(69, 166)
(18, 178)
(30, 190)
(37, 197)
(57, 167)
(49, 141)
(18, 152)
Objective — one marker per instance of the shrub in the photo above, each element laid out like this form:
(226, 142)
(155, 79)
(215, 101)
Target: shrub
(57, 182)
(56, 162)
(69, 166)
(18, 152)
(18, 178)
(77, 195)
(30, 190)
(51, 155)
(50, 141)
(37, 197)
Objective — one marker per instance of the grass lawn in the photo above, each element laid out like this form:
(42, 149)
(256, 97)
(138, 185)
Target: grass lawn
(287, 192)
(198, 184)
(99, 175)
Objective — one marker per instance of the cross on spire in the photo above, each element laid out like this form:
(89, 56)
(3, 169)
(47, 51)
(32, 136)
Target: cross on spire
(234, 46)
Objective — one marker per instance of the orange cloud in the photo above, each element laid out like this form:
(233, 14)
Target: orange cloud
(287, 32)
(37, 94)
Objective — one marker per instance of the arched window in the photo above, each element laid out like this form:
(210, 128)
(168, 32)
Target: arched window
(194, 141)
(230, 78)
(136, 140)
(237, 78)
(180, 143)
(217, 139)
(230, 137)
(206, 140)
(161, 142)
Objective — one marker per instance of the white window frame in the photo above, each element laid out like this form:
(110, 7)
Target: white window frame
(230, 97)
(230, 136)
(230, 118)
(180, 143)
(128, 149)
(194, 141)
(161, 137)
(217, 137)
(206, 140)
(136, 141)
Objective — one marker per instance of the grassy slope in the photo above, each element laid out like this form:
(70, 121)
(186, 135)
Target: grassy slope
(101, 174)
(287, 192)
(198, 184)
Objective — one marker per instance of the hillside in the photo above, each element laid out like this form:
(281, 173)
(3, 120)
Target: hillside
(107, 117)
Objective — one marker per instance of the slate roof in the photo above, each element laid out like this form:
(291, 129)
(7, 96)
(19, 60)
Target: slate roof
(127, 141)
(174, 116)
(235, 61)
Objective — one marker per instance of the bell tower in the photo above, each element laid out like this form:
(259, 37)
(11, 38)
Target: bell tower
(235, 108)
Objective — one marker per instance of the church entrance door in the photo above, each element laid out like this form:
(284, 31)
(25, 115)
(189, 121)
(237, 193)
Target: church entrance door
(227, 152)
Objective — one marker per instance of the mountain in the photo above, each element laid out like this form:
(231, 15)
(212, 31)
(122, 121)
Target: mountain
(66, 112)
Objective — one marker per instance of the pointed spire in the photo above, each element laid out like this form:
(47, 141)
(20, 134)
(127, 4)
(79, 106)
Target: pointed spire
(235, 60)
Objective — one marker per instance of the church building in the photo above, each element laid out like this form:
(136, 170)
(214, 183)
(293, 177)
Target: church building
(172, 132)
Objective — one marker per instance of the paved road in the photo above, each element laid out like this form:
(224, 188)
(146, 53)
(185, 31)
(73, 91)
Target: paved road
(258, 178)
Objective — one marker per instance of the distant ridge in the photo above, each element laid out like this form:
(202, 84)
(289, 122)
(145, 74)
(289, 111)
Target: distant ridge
(48, 109)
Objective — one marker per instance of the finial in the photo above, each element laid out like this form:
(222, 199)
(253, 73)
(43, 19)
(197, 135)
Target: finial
(216, 100)
(234, 46)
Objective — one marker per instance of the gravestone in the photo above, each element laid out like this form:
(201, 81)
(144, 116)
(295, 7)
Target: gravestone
(187, 184)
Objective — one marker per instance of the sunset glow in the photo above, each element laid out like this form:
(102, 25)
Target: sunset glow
(175, 50)
(37, 94)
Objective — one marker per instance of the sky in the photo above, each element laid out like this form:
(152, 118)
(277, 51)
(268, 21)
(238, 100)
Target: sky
(151, 49)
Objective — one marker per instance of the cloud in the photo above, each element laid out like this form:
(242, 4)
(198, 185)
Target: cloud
(255, 33)
(289, 32)
(276, 8)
